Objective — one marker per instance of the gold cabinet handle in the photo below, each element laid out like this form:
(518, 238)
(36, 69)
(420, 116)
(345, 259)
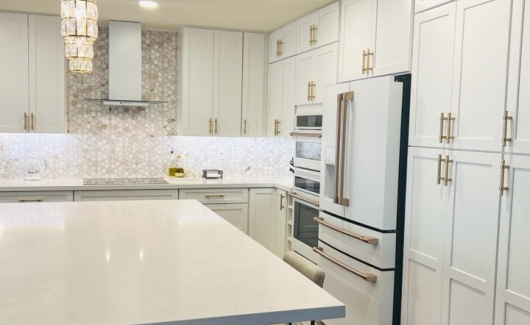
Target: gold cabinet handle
(364, 61)
(446, 178)
(311, 35)
(450, 120)
(215, 126)
(25, 121)
(368, 66)
(30, 200)
(32, 122)
(281, 202)
(277, 48)
(503, 188)
(278, 127)
(442, 119)
(439, 177)
(368, 240)
(315, 28)
(245, 127)
(313, 90)
(366, 276)
(505, 138)
(210, 129)
(214, 197)
(281, 48)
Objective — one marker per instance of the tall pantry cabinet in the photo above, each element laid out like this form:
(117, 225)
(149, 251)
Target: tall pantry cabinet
(466, 220)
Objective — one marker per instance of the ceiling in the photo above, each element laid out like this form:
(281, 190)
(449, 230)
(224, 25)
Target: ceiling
(255, 15)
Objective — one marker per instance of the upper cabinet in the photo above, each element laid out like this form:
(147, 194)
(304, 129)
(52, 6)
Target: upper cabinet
(315, 70)
(281, 98)
(222, 83)
(375, 38)
(282, 43)
(422, 5)
(317, 29)
(32, 74)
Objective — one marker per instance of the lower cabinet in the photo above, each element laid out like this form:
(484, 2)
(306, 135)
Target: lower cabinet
(43, 196)
(126, 195)
(236, 214)
(267, 219)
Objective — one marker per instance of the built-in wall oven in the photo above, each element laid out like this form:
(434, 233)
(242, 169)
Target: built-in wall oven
(307, 183)
(305, 226)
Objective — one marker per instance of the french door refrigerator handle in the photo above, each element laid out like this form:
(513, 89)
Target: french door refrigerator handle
(340, 154)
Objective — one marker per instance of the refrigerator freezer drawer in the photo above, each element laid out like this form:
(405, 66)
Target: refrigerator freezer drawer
(372, 247)
(369, 303)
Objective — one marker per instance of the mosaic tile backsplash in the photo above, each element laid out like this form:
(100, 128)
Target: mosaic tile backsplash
(134, 142)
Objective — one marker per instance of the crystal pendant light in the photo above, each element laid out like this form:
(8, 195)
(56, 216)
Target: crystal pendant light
(79, 28)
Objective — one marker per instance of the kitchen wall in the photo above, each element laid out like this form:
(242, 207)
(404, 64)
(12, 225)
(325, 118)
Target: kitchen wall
(135, 142)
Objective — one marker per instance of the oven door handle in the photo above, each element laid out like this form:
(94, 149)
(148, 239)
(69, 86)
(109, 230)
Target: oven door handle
(369, 277)
(303, 199)
(306, 135)
(368, 240)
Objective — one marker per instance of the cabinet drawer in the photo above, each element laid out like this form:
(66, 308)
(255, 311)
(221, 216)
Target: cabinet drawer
(370, 246)
(27, 197)
(366, 302)
(216, 196)
(126, 195)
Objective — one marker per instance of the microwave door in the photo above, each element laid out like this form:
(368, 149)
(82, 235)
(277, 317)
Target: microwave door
(333, 164)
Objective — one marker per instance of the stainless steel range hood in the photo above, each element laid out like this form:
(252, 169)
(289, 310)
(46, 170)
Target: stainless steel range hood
(125, 65)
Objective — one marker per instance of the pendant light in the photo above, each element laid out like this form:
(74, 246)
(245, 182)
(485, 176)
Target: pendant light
(79, 28)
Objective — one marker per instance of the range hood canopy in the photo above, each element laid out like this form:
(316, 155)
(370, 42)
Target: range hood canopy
(125, 66)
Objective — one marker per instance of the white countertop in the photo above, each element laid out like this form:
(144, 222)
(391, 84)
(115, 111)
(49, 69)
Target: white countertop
(144, 262)
(14, 185)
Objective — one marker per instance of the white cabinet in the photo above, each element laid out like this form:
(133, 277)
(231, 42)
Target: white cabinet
(32, 70)
(14, 72)
(32, 197)
(211, 83)
(281, 98)
(282, 43)
(319, 28)
(375, 38)
(451, 226)
(432, 75)
(315, 70)
(518, 103)
(126, 195)
(422, 5)
(236, 214)
(513, 287)
(254, 69)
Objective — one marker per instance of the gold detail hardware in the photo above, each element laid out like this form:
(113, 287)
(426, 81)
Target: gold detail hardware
(214, 197)
(278, 127)
(280, 48)
(366, 276)
(368, 55)
(32, 122)
(364, 61)
(439, 178)
(215, 126)
(340, 151)
(441, 137)
(306, 135)
(505, 138)
(210, 129)
(30, 200)
(281, 202)
(312, 91)
(503, 188)
(245, 127)
(308, 90)
(303, 199)
(25, 121)
(315, 28)
(277, 48)
(311, 35)
(446, 178)
(449, 122)
(275, 127)
(368, 240)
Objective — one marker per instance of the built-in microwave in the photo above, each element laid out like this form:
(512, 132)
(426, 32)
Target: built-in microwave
(305, 227)
(308, 118)
(307, 183)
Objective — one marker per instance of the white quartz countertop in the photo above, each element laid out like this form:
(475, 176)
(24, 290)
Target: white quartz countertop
(144, 262)
(14, 185)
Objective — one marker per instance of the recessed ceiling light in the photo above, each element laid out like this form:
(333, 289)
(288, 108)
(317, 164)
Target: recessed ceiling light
(148, 4)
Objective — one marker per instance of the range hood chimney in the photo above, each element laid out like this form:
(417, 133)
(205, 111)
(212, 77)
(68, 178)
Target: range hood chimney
(125, 65)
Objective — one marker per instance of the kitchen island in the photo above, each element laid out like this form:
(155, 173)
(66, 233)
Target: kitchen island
(144, 262)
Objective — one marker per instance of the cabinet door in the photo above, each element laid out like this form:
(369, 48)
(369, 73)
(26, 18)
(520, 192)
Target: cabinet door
(274, 37)
(280, 223)
(197, 55)
(325, 71)
(471, 237)
(425, 214)
(422, 5)
(13, 72)
(262, 217)
(46, 75)
(288, 47)
(236, 214)
(432, 70)
(480, 69)
(275, 90)
(326, 24)
(305, 75)
(513, 287)
(358, 25)
(518, 106)
(227, 82)
(253, 109)
(393, 51)
(286, 125)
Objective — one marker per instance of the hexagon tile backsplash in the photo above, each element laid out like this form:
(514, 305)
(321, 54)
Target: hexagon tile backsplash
(133, 142)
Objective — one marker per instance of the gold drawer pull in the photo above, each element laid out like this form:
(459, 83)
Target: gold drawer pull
(245, 127)
(32, 122)
(214, 197)
(30, 200)
(366, 276)
(210, 129)
(505, 138)
(303, 199)
(25, 121)
(368, 240)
